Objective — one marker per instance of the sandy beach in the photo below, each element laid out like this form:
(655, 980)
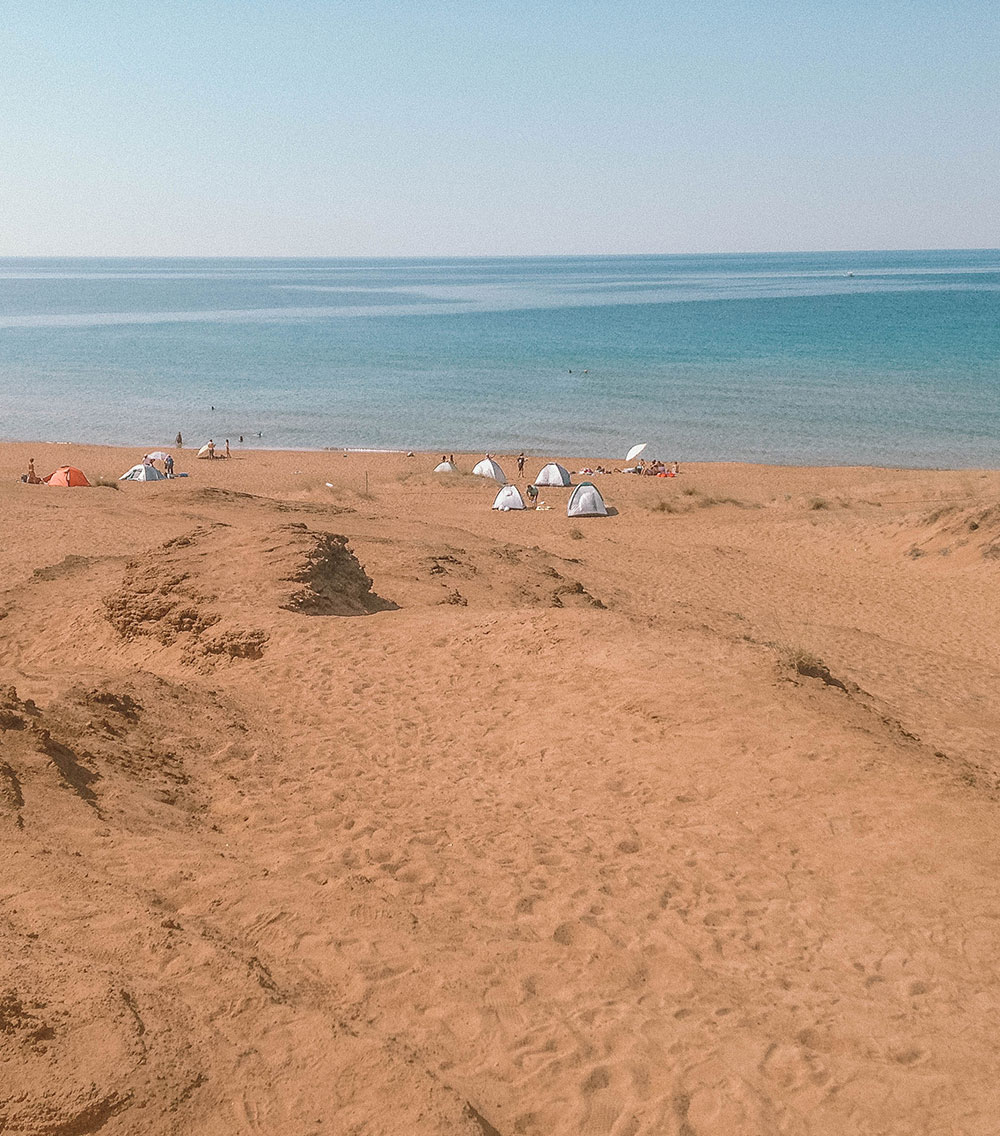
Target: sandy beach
(360, 808)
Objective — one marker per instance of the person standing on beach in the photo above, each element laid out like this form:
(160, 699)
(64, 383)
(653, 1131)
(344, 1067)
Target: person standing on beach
(211, 448)
(168, 465)
(228, 453)
(520, 464)
(179, 441)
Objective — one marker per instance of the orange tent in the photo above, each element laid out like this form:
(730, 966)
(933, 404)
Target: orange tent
(66, 475)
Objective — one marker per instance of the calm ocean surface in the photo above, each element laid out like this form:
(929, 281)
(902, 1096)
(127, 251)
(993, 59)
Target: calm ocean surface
(889, 358)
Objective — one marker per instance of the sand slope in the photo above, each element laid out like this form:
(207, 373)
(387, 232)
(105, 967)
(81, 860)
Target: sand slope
(325, 810)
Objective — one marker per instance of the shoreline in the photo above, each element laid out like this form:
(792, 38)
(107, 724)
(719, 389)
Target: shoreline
(476, 455)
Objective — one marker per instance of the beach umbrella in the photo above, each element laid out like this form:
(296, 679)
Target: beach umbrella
(635, 451)
(157, 456)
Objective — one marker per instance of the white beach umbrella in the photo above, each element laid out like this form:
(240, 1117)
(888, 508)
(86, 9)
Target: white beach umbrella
(635, 451)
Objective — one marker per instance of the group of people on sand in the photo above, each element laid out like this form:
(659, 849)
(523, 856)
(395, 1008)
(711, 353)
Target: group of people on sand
(653, 468)
(168, 463)
(227, 453)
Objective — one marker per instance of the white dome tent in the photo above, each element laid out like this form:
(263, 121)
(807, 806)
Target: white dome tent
(445, 467)
(586, 501)
(553, 474)
(508, 498)
(489, 468)
(142, 472)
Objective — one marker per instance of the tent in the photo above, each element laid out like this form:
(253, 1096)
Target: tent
(489, 468)
(204, 452)
(508, 498)
(445, 467)
(586, 501)
(553, 474)
(66, 475)
(143, 472)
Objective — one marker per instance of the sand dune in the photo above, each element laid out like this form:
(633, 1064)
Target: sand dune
(366, 809)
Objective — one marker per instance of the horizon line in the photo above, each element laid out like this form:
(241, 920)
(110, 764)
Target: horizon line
(483, 256)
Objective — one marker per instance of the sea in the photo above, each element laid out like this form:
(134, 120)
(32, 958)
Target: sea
(886, 358)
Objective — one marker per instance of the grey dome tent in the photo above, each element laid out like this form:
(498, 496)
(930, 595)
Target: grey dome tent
(586, 501)
(143, 472)
(553, 474)
(489, 468)
(508, 498)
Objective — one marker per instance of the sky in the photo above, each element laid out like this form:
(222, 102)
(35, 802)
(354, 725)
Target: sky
(461, 128)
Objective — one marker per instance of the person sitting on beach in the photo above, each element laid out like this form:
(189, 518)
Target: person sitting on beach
(532, 491)
(31, 478)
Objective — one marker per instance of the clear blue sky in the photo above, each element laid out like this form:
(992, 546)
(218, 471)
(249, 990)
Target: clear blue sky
(428, 127)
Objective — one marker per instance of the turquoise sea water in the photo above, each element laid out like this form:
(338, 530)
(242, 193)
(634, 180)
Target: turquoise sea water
(891, 358)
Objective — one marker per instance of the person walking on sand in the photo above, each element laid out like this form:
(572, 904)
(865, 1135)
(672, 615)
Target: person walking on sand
(520, 464)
